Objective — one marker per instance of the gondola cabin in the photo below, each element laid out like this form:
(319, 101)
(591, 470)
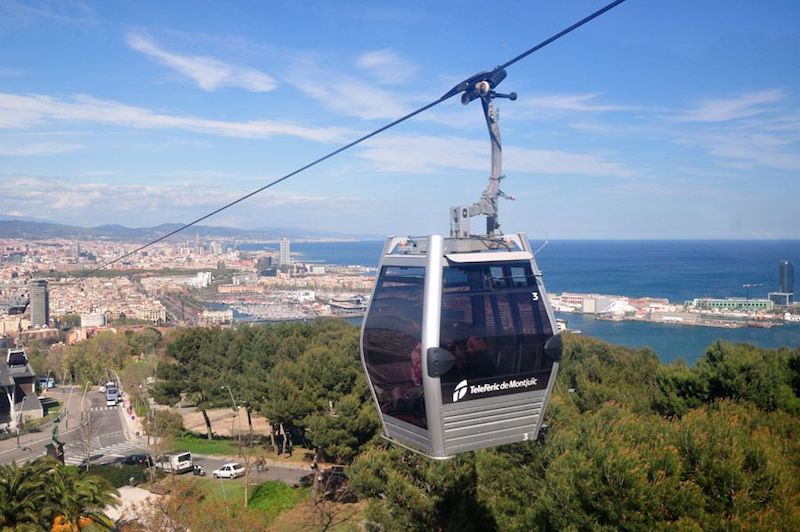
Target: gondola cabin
(459, 343)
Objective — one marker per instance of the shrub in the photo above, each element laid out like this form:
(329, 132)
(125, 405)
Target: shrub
(119, 476)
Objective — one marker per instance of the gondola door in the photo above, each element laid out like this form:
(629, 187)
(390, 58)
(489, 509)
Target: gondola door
(393, 343)
(498, 325)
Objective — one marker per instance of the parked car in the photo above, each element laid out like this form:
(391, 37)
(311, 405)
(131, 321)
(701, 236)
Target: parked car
(47, 383)
(138, 459)
(231, 470)
(179, 462)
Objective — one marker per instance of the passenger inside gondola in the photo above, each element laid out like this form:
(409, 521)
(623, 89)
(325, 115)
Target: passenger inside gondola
(494, 323)
(392, 344)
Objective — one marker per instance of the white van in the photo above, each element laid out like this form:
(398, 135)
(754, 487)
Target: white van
(113, 395)
(178, 462)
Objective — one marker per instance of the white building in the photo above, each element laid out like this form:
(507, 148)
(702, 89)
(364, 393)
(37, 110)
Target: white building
(93, 319)
(202, 280)
(154, 312)
(217, 316)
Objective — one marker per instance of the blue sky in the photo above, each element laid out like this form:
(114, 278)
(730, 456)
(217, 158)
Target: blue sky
(675, 119)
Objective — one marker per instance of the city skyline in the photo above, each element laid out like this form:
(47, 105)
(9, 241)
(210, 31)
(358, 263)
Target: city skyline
(654, 121)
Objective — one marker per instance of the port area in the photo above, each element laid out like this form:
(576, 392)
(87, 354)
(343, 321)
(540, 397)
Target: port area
(729, 313)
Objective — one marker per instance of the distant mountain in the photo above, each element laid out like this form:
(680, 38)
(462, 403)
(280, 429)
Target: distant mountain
(13, 218)
(294, 232)
(21, 228)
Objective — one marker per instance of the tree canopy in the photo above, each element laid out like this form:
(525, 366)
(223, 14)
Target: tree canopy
(44, 495)
(306, 376)
(631, 443)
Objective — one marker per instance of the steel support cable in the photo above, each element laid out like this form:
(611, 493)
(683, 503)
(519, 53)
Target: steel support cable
(455, 90)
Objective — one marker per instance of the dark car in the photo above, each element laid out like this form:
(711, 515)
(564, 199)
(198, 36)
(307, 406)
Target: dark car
(138, 459)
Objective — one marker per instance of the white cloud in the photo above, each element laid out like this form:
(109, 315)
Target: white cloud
(345, 94)
(39, 148)
(583, 103)
(746, 132)
(20, 111)
(752, 149)
(209, 73)
(427, 155)
(727, 109)
(115, 202)
(10, 73)
(562, 162)
(387, 66)
(63, 12)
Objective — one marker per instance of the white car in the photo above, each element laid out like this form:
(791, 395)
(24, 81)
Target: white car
(231, 470)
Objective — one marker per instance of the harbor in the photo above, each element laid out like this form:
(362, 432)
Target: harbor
(728, 313)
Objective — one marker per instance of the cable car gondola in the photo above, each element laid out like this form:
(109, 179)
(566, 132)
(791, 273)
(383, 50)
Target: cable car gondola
(460, 343)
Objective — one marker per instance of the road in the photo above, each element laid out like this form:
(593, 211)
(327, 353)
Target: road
(107, 438)
(104, 434)
(288, 475)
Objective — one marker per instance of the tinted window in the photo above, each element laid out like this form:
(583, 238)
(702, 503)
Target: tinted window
(392, 336)
(17, 358)
(495, 323)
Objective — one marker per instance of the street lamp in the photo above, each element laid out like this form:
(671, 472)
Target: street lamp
(19, 417)
(236, 414)
(233, 401)
(66, 406)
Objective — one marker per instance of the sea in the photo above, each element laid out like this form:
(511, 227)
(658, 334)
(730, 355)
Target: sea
(678, 270)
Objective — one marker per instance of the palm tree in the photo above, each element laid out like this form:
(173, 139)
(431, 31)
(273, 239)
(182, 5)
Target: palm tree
(79, 496)
(24, 497)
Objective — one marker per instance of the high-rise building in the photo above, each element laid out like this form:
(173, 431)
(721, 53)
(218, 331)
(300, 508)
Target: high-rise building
(785, 294)
(785, 277)
(39, 302)
(285, 259)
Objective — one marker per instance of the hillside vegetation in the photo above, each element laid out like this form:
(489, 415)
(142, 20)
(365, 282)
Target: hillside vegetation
(631, 443)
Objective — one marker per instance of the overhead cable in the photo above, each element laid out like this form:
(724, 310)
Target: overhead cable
(461, 87)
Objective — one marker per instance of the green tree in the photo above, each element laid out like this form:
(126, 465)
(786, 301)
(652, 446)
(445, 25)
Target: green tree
(747, 373)
(411, 492)
(680, 388)
(323, 393)
(71, 320)
(91, 360)
(24, 498)
(145, 341)
(196, 371)
(719, 467)
(597, 372)
(163, 424)
(34, 496)
(37, 356)
(769, 378)
(80, 496)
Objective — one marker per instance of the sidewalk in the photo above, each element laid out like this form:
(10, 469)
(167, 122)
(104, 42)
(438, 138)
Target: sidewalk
(131, 423)
(69, 423)
(131, 499)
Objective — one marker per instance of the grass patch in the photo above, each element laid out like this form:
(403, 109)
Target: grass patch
(140, 407)
(274, 497)
(270, 498)
(201, 445)
(224, 489)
